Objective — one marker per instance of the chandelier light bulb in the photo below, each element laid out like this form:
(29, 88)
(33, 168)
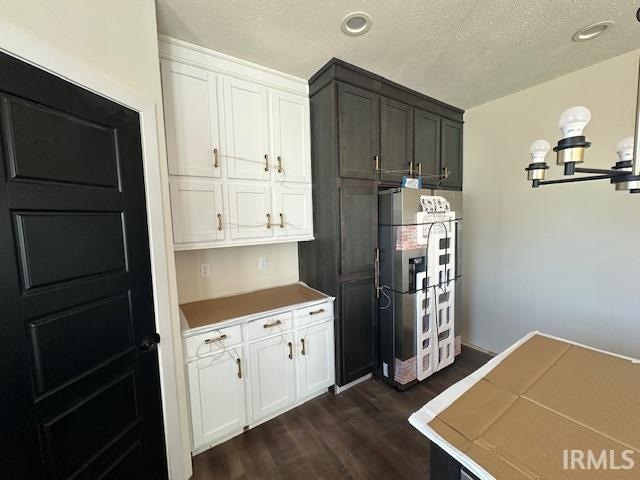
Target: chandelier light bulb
(624, 149)
(539, 150)
(573, 120)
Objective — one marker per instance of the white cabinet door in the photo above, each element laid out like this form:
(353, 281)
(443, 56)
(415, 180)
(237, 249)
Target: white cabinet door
(316, 359)
(293, 211)
(217, 395)
(197, 210)
(247, 130)
(272, 375)
(291, 139)
(192, 120)
(250, 212)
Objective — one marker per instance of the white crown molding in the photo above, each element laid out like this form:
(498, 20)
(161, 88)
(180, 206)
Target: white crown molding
(178, 50)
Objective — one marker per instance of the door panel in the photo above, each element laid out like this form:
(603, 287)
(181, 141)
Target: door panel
(359, 228)
(291, 138)
(396, 138)
(190, 97)
(316, 361)
(247, 130)
(272, 375)
(250, 212)
(80, 398)
(217, 396)
(197, 211)
(357, 322)
(293, 211)
(359, 131)
(452, 153)
(427, 145)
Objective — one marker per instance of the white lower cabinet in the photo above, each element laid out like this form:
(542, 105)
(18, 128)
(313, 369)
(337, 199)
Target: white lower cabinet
(217, 390)
(283, 359)
(315, 360)
(273, 384)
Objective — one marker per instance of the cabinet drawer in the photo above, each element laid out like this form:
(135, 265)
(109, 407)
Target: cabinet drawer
(313, 314)
(266, 326)
(213, 340)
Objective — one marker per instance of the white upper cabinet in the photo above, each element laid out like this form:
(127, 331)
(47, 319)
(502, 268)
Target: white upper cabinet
(291, 137)
(293, 211)
(197, 210)
(239, 150)
(246, 113)
(191, 120)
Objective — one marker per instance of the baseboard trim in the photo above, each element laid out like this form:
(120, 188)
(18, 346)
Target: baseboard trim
(339, 389)
(480, 349)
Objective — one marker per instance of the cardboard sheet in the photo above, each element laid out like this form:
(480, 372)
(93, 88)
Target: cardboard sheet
(533, 406)
(215, 310)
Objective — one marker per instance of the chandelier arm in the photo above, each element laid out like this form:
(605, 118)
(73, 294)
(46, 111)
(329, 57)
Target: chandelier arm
(537, 183)
(601, 171)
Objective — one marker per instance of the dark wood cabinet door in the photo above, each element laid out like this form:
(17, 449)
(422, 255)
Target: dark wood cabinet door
(357, 321)
(396, 138)
(427, 145)
(358, 228)
(359, 131)
(451, 157)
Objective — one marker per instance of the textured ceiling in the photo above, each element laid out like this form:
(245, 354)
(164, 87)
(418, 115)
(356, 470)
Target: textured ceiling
(462, 52)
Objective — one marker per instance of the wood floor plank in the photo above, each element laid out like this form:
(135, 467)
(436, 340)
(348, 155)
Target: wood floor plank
(361, 433)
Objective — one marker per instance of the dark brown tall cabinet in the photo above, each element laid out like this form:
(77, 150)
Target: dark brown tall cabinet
(365, 132)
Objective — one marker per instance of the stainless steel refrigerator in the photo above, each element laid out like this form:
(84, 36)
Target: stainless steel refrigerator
(408, 297)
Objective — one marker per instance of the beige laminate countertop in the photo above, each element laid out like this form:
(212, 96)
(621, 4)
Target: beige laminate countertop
(216, 310)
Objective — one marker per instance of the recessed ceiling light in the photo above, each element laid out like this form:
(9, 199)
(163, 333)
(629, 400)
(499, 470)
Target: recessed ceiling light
(356, 23)
(592, 31)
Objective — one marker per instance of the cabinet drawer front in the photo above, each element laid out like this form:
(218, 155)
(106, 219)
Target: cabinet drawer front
(313, 314)
(266, 326)
(213, 340)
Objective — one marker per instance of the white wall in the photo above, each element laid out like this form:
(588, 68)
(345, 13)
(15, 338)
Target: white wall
(563, 259)
(235, 270)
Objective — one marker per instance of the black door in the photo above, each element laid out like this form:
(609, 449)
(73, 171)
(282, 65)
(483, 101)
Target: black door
(396, 138)
(359, 132)
(79, 369)
(451, 159)
(427, 145)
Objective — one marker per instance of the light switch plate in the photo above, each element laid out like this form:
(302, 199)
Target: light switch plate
(263, 263)
(205, 270)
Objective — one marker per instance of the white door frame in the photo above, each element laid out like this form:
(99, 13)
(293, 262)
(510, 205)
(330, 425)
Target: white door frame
(27, 47)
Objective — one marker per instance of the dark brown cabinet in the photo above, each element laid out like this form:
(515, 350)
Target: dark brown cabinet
(357, 116)
(396, 138)
(359, 130)
(357, 329)
(427, 145)
(451, 155)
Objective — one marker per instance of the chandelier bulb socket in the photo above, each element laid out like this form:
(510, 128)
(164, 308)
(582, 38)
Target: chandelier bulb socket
(571, 149)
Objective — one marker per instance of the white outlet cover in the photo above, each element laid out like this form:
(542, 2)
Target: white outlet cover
(263, 263)
(205, 270)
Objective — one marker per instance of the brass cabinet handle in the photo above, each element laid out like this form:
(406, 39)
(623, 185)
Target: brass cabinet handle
(282, 220)
(214, 340)
(268, 220)
(410, 168)
(446, 172)
(266, 162)
(215, 158)
(316, 312)
(279, 164)
(272, 324)
(419, 169)
(304, 352)
(239, 362)
(220, 221)
(290, 351)
(376, 163)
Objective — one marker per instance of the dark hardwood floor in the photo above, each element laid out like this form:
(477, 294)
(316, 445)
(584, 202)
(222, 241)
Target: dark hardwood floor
(362, 433)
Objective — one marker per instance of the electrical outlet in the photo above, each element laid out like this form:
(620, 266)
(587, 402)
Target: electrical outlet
(205, 270)
(263, 263)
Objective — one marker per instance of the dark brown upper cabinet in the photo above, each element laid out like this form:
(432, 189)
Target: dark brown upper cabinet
(396, 138)
(427, 145)
(451, 154)
(359, 132)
